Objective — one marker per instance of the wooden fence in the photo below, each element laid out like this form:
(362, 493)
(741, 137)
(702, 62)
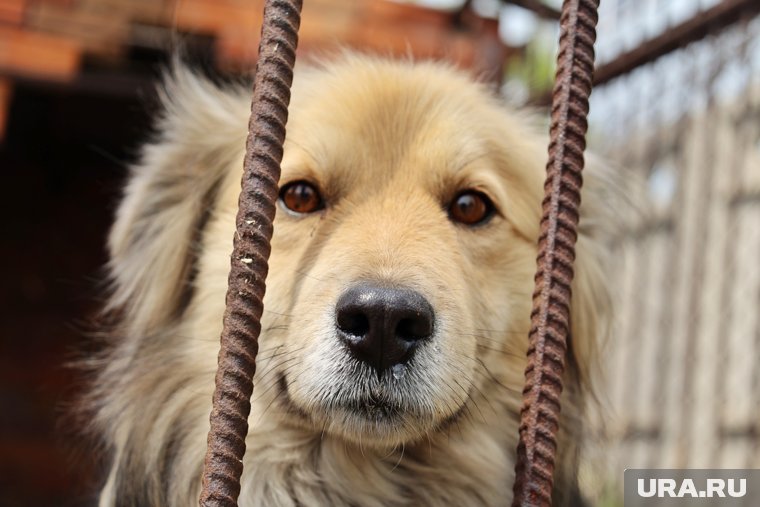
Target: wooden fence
(683, 383)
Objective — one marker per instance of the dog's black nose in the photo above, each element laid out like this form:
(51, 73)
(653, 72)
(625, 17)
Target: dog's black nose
(382, 326)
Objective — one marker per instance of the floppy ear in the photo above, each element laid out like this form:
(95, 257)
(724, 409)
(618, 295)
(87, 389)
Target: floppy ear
(201, 136)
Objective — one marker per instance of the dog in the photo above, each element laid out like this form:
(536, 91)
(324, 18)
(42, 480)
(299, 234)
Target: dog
(398, 298)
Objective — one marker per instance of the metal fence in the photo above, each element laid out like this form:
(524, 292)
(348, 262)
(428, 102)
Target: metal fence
(684, 363)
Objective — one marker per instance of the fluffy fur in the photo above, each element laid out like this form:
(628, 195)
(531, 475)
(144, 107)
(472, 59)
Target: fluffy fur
(389, 144)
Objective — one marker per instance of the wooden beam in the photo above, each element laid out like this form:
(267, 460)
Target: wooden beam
(36, 54)
(390, 12)
(218, 16)
(236, 48)
(12, 11)
(6, 90)
(146, 11)
(98, 31)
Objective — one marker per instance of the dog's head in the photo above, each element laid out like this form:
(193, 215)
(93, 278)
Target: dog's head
(401, 273)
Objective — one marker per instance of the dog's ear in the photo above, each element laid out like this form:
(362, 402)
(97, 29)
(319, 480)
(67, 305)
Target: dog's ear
(169, 196)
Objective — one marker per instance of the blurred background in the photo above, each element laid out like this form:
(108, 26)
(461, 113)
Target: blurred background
(677, 104)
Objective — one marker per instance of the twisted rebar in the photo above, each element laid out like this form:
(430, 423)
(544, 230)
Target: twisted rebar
(550, 318)
(223, 465)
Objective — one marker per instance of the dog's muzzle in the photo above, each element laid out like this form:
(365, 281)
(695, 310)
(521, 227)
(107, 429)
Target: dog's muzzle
(383, 326)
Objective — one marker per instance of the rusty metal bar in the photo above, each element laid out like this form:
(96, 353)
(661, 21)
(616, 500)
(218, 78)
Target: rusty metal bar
(550, 318)
(223, 465)
(713, 20)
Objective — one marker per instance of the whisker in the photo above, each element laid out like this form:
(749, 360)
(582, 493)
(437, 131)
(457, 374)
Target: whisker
(273, 368)
(507, 353)
(280, 314)
(494, 379)
(276, 327)
(261, 357)
(470, 399)
(464, 408)
(403, 449)
(304, 274)
(270, 383)
(473, 384)
(273, 383)
(285, 352)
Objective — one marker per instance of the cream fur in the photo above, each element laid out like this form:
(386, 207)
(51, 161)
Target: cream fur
(389, 144)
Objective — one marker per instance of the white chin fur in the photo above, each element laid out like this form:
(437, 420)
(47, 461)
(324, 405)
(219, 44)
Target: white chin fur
(402, 405)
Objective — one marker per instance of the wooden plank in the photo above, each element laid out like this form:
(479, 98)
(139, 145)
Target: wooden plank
(12, 11)
(60, 3)
(325, 22)
(99, 33)
(422, 41)
(147, 11)
(382, 12)
(237, 46)
(6, 91)
(217, 16)
(400, 29)
(39, 55)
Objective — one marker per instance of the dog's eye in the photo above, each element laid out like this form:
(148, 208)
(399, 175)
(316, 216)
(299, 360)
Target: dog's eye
(301, 197)
(471, 208)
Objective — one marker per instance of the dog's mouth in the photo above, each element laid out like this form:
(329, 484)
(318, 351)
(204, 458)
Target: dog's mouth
(375, 404)
(374, 409)
(382, 410)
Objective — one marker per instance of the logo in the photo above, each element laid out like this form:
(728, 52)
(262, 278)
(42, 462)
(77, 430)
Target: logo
(681, 488)
(714, 488)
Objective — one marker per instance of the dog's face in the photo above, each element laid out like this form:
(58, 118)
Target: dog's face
(402, 256)
(398, 297)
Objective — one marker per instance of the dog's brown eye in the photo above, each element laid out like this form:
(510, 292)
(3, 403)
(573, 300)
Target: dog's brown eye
(301, 197)
(471, 208)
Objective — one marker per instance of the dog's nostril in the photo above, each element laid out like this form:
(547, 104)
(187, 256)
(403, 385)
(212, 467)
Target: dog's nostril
(415, 328)
(382, 326)
(354, 323)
